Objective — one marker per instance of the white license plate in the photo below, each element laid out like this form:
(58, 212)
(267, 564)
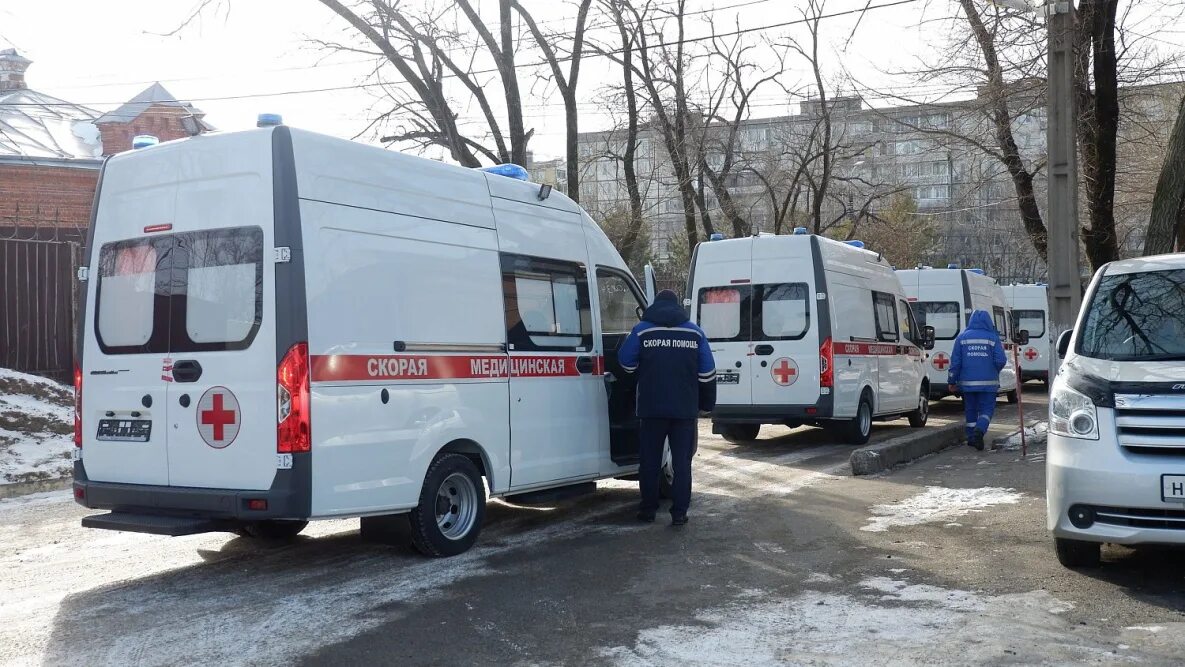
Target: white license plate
(728, 378)
(1172, 488)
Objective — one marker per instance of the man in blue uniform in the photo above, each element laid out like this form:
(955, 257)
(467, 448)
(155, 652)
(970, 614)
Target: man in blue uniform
(676, 381)
(975, 367)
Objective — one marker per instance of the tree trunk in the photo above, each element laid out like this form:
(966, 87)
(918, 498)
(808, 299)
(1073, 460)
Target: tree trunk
(1098, 125)
(1166, 230)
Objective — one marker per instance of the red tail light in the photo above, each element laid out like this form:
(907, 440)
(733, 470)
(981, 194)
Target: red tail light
(77, 406)
(826, 363)
(292, 401)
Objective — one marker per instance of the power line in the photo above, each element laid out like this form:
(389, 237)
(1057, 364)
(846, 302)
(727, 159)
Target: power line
(531, 65)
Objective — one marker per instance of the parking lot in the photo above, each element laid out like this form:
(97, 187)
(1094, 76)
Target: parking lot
(788, 559)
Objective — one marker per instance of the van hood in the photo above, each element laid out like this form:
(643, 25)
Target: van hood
(1129, 371)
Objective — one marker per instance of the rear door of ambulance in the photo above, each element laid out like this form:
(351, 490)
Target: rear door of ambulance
(721, 304)
(785, 361)
(184, 318)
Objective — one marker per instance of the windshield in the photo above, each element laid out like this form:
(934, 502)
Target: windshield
(942, 315)
(1137, 317)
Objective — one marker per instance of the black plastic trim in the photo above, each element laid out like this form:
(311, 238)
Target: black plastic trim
(826, 403)
(967, 304)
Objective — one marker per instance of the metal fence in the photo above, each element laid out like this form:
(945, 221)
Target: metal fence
(39, 260)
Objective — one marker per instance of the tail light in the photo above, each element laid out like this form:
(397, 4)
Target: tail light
(77, 405)
(292, 401)
(826, 359)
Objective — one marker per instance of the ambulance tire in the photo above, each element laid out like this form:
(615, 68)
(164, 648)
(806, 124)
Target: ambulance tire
(452, 507)
(857, 431)
(918, 418)
(272, 530)
(1012, 397)
(739, 434)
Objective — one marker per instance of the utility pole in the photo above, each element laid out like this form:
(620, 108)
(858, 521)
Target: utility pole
(1065, 281)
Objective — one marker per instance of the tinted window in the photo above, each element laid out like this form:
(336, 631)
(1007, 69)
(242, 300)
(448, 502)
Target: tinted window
(784, 313)
(942, 315)
(187, 292)
(619, 303)
(1032, 321)
(886, 316)
(1000, 321)
(724, 312)
(547, 304)
(1138, 316)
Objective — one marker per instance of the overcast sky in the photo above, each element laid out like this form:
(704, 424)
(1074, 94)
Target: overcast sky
(232, 64)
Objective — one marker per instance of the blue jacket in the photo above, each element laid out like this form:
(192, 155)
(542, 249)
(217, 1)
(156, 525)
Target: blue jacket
(978, 357)
(673, 363)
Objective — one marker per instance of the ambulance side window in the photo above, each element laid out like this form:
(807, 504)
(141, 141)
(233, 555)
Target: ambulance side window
(886, 317)
(547, 304)
(908, 328)
(619, 303)
(1001, 321)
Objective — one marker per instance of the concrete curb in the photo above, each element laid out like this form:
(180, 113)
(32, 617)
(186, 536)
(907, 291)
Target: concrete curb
(884, 455)
(36, 486)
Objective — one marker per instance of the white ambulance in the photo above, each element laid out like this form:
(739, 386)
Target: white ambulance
(1030, 313)
(944, 299)
(806, 330)
(281, 326)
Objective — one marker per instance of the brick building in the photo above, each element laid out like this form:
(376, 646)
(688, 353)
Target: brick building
(51, 150)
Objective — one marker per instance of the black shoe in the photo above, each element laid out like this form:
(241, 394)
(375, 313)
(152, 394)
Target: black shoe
(679, 520)
(646, 517)
(977, 441)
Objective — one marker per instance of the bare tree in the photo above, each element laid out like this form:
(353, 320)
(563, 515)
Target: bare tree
(1166, 230)
(566, 83)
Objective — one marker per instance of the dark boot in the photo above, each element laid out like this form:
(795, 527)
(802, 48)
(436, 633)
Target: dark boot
(976, 441)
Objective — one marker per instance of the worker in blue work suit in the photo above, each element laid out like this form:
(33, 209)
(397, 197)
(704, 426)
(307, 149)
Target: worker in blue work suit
(975, 366)
(676, 381)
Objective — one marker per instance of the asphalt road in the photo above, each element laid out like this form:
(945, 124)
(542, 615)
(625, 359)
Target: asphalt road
(787, 560)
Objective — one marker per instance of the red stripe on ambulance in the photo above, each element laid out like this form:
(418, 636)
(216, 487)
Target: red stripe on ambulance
(359, 367)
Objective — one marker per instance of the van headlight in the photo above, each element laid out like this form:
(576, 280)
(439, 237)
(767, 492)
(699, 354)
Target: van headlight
(1071, 413)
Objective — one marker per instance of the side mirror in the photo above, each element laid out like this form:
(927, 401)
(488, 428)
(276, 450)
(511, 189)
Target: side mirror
(1022, 337)
(928, 337)
(640, 311)
(1063, 343)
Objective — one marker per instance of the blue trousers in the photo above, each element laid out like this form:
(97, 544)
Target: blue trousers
(655, 433)
(979, 407)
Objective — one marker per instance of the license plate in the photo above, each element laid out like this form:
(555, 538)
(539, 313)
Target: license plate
(1172, 488)
(728, 378)
(124, 430)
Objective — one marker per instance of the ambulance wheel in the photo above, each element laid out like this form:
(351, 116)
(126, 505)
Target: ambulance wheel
(1012, 397)
(857, 431)
(272, 529)
(452, 506)
(1076, 553)
(740, 433)
(918, 418)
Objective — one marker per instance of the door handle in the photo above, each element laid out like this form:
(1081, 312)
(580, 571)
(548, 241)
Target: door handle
(764, 350)
(186, 370)
(585, 365)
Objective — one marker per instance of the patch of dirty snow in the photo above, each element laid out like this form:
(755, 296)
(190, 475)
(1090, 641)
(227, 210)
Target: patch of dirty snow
(1146, 628)
(893, 623)
(938, 503)
(820, 578)
(36, 427)
(1035, 435)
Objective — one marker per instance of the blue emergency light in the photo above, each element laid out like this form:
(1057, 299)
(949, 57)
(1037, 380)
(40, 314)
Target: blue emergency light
(855, 244)
(509, 171)
(144, 141)
(269, 120)
(799, 231)
(952, 265)
(716, 236)
(978, 271)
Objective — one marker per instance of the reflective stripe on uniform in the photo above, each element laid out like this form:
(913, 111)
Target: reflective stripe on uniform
(683, 329)
(977, 341)
(980, 383)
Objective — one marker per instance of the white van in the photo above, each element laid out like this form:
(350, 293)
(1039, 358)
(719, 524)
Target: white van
(806, 330)
(1115, 469)
(1030, 313)
(282, 326)
(944, 299)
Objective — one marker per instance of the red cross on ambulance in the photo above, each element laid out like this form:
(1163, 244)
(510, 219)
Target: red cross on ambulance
(785, 371)
(218, 417)
(941, 361)
(1031, 353)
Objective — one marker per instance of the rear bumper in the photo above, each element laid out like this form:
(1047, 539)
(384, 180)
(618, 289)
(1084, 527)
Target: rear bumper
(288, 497)
(1033, 375)
(769, 414)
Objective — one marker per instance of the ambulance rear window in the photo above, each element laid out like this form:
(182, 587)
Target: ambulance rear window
(723, 311)
(127, 278)
(942, 315)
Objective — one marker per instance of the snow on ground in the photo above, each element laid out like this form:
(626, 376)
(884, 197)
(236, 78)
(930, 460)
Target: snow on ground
(1036, 434)
(885, 622)
(36, 427)
(938, 503)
